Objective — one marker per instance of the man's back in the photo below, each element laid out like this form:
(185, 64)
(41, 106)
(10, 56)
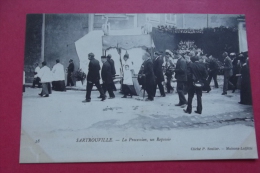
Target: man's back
(181, 70)
(71, 67)
(198, 69)
(106, 73)
(157, 68)
(112, 64)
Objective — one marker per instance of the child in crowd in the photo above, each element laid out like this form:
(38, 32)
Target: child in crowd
(127, 86)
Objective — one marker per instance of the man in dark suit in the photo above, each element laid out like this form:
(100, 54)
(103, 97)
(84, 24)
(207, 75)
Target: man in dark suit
(228, 72)
(70, 73)
(106, 76)
(245, 89)
(113, 69)
(93, 78)
(158, 72)
(148, 75)
(181, 77)
(196, 71)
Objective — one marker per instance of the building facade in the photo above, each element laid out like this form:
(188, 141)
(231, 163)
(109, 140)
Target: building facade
(53, 36)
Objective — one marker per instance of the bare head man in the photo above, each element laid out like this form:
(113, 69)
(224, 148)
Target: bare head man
(225, 54)
(91, 56)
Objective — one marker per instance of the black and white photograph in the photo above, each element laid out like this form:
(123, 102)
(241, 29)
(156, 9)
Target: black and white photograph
(104, 87)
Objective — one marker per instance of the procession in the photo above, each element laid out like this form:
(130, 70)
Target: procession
(192, 73)
(180, 77)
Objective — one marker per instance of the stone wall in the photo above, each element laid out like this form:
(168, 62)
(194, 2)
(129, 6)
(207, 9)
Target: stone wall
(61, 32)
(32, 44)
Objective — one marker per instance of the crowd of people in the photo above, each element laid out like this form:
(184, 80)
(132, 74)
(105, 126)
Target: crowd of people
(192, 70)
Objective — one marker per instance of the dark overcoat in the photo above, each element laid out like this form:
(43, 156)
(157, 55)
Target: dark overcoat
(157, 68)
(148, 72)
(93, 71)
(106, 74)
(181, 70)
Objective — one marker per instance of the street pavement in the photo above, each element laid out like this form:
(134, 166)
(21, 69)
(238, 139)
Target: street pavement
(124, 113)
(51, 127)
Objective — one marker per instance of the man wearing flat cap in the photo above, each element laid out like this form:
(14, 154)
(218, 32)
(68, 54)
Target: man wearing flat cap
(70, 71)
(93, 78)
(158, 72)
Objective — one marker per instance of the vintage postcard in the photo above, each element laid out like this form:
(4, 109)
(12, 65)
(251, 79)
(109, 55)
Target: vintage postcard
(136, 87)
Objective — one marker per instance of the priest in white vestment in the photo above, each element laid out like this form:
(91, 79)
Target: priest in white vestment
(58, 72)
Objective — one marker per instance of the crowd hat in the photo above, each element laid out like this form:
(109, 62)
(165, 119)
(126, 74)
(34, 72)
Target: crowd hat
(168, 52)
(232, 54)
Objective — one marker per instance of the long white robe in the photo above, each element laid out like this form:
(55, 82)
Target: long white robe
(127, 78)
(45, 74)
(58, 72)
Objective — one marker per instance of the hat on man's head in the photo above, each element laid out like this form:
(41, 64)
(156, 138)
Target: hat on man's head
(232, 54)
(157, 53)
(103, 57)
(168, 52)
(245, 53)
(225, 54)
(109, 56)
(126, 55)
(70, 60)
(194, 58)
(44, 63)
(242, 57)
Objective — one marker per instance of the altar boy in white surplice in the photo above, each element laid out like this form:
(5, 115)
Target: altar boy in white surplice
(58, 77)
(127, 86)
(46, 78)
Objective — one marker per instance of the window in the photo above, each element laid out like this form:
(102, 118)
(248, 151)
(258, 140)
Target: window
(153, 17)
(170, 19)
